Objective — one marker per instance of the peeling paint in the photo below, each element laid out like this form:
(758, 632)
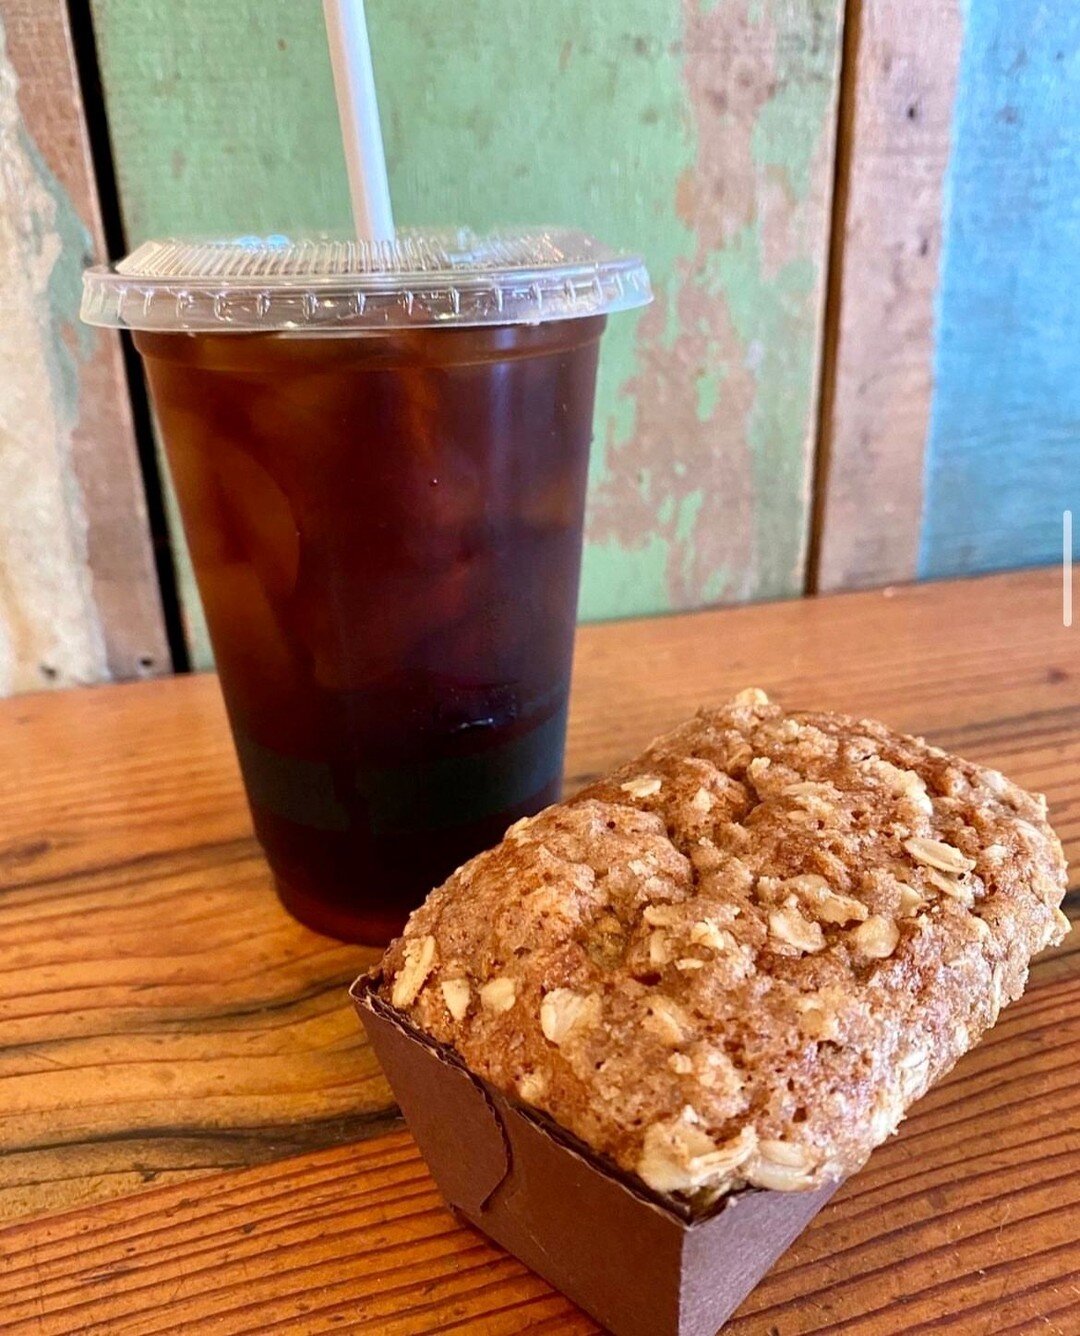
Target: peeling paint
(632, 577)
(707, 386)
(50, 633)
(724, 385)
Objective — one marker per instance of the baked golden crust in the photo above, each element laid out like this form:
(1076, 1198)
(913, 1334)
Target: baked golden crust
(739, 958)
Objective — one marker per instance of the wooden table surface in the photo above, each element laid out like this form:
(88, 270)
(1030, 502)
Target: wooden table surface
(197, 1139)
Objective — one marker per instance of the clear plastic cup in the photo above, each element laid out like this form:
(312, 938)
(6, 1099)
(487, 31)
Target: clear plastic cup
(380, 455)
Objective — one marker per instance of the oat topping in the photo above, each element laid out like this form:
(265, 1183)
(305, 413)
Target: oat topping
(707, 932)
(784, 1166)
(661, 916)
(419, 957)
(457, 995)
(818, 1015)
(938, 854)
(788, 928)
(951, 885)
(667, 1020)
(680, 1157)
(532, 1087)
(564, 1011)
(909, 901)
(739, 958)
(703, 802)
(659, 948)
(498, 994)
(877, 937)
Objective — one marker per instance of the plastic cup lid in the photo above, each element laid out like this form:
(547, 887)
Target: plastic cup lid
(423, 277)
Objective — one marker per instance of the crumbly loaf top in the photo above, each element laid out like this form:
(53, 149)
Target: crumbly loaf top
(739, 958)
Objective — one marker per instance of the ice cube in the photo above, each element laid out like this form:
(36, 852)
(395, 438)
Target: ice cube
(363, 627)
(258, 512)
(265, 681)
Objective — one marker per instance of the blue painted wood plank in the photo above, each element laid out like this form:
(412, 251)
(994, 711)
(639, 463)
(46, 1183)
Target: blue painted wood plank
(1004, 443)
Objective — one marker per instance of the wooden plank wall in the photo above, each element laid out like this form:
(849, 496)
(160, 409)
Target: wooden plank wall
(945, 434)
(78, 590)
(951, 424)
(1003, 454)
(701, 134)
(899, 84)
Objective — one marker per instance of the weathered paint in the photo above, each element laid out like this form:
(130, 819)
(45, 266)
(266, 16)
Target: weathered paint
(50, 631)
(740, 323)
(1004, 447)
(700, 134)
(78, 592)
(900, 78)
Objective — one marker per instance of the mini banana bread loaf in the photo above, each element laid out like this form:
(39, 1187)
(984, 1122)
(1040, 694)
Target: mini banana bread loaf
(739, 958)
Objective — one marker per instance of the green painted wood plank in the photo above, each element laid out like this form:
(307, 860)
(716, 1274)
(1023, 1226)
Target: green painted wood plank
(700, 133)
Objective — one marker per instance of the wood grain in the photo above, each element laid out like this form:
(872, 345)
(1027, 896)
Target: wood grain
(161, 1019)
(966, 1221)
(78, 590)
(147, 770)
(900, 75)
(155, 1024)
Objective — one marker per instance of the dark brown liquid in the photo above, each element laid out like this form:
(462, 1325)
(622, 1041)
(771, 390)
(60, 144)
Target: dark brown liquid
(386, 532)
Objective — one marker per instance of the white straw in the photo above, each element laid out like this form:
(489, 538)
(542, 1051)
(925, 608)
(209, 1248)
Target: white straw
(358, 111)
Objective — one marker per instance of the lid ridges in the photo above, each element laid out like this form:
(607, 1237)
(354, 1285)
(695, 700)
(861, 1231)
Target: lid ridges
(443, 277)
